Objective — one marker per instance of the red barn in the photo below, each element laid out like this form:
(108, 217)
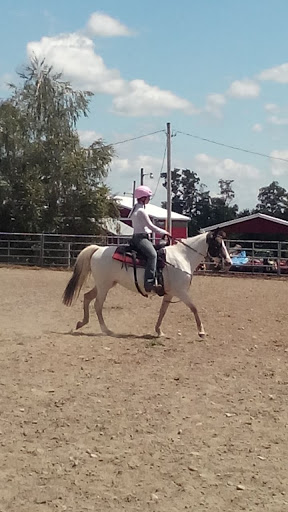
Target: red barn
(157, 215)
(258, 223)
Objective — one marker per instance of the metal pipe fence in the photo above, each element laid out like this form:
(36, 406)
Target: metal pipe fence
(48, 250)
(51, 250)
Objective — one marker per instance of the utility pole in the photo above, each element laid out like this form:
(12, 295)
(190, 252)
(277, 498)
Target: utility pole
(133, 193)
(141, 176)
(169, 200)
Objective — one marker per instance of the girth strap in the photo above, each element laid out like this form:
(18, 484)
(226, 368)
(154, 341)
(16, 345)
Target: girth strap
(135, 274)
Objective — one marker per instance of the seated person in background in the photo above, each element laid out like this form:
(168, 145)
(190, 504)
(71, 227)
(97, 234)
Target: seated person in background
(236, 250)
(238, 256)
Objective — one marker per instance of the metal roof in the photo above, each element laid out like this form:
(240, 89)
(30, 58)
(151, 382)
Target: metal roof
(116, 227)
(239, 220)
(153, 211)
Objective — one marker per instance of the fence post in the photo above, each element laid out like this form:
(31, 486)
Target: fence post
(69, 254)
(42, 243)
(279, 259)
(8, 251)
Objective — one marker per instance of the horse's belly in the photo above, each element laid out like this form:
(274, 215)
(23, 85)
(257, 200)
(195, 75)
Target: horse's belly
(107, 271)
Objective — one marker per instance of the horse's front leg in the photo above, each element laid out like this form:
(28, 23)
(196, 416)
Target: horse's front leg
(88, 297)
(164, 306)
(187, 300)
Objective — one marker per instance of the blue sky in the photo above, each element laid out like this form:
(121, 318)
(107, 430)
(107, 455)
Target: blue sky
(214, 69)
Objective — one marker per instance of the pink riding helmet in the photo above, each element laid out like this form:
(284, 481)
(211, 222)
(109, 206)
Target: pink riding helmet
(143, 191)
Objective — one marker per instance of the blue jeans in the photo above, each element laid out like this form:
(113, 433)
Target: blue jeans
(145, 247)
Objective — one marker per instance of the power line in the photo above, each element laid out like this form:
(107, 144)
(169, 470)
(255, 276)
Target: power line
(134, 138)
(233, 147)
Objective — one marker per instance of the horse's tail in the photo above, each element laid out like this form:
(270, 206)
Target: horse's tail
(80, 274)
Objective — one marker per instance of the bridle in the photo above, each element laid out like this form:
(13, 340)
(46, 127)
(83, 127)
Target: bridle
(192, 248)
(179, 241)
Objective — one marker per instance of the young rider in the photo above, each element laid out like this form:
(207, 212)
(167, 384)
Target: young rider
(143, 228)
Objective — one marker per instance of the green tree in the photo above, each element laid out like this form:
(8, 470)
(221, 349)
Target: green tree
(226, 191)
(273, 200)
(48, 182)
(244, 213)
(184, 189)
(191, 197)
(221, 208)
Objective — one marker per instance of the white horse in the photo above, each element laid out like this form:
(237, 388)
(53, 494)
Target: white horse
(181, 261)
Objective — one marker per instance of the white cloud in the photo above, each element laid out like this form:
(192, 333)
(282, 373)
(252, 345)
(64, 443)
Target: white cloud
(278, 167)
(142, 99)
(279, 121)
(224, 168)
(74, 55)
(214, 104)
(257, 128)
(101, 24)
(277, 74)
(271, 107)
(88, 136)
(131, 166)
(126, 169)
(244, 89)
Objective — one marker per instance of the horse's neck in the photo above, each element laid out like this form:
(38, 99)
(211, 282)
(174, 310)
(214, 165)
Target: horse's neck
(196, 249)
(191, 250)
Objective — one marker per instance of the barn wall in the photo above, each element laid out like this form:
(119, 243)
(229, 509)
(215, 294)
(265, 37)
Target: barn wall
(257, 226)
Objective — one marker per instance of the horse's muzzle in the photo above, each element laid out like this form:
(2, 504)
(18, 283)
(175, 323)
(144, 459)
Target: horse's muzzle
(227, 264)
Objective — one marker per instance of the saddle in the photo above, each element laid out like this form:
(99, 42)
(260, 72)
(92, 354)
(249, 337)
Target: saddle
(130, 256)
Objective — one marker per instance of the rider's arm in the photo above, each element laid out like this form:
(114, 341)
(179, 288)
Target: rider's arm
(150, 224)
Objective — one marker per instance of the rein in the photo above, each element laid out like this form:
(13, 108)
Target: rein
(188, 246)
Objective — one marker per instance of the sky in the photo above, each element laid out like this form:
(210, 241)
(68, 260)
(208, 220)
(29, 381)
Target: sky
(217, 71)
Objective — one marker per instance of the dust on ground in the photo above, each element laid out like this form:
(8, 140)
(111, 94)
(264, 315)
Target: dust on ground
(135, 423)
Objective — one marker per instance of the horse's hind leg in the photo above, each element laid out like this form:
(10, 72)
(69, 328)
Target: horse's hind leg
(186, 299)
(88, 297)
(164, 306)
(100, 299)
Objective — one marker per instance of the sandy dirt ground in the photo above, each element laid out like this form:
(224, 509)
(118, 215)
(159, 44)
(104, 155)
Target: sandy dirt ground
(135, 423)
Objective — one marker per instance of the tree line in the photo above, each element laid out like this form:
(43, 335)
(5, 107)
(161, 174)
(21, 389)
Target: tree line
(50, 183)
(192, 198)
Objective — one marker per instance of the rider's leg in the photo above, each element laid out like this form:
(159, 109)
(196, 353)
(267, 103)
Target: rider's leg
(146, 247)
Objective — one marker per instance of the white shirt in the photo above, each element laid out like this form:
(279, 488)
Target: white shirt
(141, 221)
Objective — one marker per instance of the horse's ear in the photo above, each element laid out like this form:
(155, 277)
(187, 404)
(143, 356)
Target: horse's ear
(221, 233)
(218, 232)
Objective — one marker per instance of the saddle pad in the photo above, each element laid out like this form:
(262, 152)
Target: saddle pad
(127, 259)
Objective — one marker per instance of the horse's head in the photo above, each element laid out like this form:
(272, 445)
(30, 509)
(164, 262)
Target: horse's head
(216, 247)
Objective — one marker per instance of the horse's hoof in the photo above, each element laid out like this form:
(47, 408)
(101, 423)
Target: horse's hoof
(79, 325)
(107, 332)
(202, 335)
(160, 334)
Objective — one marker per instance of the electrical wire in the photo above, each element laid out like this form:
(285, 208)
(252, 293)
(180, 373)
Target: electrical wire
(134, 138)
(233, 147)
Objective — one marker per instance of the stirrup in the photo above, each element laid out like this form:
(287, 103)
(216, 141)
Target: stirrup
(157, 288)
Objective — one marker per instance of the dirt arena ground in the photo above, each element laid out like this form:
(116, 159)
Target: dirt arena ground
(134, 423)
